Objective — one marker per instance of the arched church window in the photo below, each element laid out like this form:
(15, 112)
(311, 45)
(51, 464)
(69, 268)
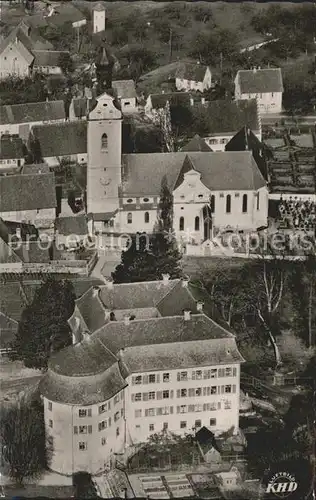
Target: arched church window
(244, 203)
(129, 218)
(104, 141)
(181, 224)
(146, 217)
(212, 203)
(197, 223)
(228, 204)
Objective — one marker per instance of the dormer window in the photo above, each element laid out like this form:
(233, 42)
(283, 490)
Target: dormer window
(104, 142)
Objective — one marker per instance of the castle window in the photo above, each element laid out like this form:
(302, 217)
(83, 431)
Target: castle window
(129, 218)
(244, 203)
(50, 406)
(197, 223)
(146, 200)
(104, 141)
(146, 216)
(181, 224)
(228, 204)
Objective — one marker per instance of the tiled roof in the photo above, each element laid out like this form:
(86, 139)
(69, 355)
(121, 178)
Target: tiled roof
(17, 192)
(136, 295)
(32, 112)
(81, 106)
(260, 80)
(72, 225)
(231, 116)
(66, 13)
(124, 88)
(91, 309)
(191, 71)
(159, 101)
(47, 57)
(99, 7)
(197, 144)
(31, 41)
(143, 173)
(202, 342)
(83, 390)
(61, 139)
(11, 148)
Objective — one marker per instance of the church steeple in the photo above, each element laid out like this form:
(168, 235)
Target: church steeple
(104, 63)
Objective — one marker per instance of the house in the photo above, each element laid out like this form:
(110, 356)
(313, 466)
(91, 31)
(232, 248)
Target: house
(123, 380)
(197, 144)
(65, 13)
(12, 152)
(195, 77)
(17, 51)
(19, 203)
(125, 92)
(80, 107)
(226, 118)
(71, 231)
(206, 442)
(246, 140)
(99, 18)
(265, 85)
(17, 119)
(47, 62)
(61, 141)
(156, 102)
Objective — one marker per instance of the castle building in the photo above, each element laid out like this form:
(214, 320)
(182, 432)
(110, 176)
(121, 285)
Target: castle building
(146, 357)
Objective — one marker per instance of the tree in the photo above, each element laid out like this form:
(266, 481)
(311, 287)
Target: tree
(15, 90)
(65, 62)
(163, 121)
(43, 327)
(148, 257)
(24, 449)
(140, 59)
(137, 262)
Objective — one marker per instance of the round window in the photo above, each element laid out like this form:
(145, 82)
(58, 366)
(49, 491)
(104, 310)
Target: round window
(130, 200)
(146, 200)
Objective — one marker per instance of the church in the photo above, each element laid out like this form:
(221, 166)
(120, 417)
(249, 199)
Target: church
(212, 191)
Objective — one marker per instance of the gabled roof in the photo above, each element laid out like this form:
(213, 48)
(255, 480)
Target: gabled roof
(159, 101)
(236, 171)
(32, 112)
(191, 71)
(231, 116)
(30, 40)
(196, 144)
(124, 88)
(206, 439)
(254, 81)
(11, 148)
(17, 192)
(100, 7)
(48, 57)
(61, 139)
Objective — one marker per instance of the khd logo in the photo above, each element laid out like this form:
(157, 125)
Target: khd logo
(282, 485)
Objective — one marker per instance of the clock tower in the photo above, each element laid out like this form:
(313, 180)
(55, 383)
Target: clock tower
(104, 156)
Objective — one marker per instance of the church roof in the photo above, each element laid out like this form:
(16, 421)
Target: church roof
(236, 171)
(197, 144)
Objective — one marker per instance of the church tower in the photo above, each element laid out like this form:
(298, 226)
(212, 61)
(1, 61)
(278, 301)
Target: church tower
(104, 156)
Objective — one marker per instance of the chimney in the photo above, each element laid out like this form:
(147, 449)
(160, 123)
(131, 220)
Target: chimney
(165, 278)
(199, 305)
(109, 283)
(95, 291)
(126, 319)
(187, 315)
